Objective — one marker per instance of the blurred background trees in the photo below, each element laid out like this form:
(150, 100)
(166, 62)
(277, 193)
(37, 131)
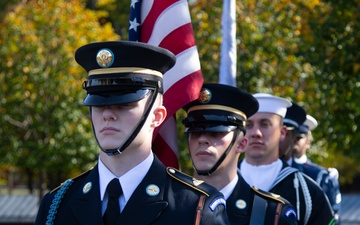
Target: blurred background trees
(306, 51)
(45, 132)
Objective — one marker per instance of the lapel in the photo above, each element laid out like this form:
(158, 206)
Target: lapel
(143, 208)
(239, 203)
(87, 206)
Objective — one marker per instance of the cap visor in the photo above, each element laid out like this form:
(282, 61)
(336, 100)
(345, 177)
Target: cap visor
(209, 129)
(115, 98)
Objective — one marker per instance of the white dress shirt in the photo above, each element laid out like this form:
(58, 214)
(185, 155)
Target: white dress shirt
(229, 188)
(129, 181)
(301, 160)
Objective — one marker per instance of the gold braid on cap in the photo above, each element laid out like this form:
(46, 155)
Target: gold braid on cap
(217, 107)
(125, 70)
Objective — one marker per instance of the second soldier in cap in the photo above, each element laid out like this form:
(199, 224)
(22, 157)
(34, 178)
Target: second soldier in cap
(215, 125)
(327, 178)
(294, 117)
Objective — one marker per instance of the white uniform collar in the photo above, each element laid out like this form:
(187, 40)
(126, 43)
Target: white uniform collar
(301, 160)
(289, 162)
(129, 181)
(229, 188)
(262, 176)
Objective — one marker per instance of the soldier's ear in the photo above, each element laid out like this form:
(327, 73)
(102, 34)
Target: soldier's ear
(159, 116)
(308, 142)
(283, 131)
(241, 145)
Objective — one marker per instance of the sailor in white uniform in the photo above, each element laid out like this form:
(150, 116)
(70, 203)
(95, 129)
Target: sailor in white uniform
(262, 167)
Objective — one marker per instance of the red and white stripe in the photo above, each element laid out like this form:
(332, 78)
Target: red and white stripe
(167, 23)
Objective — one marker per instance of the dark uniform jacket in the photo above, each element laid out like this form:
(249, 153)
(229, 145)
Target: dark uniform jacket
(176, 203)
(322, 177)
(250, 206)
(314, 207)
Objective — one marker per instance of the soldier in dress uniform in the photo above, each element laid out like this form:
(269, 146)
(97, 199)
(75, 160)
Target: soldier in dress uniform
(294, 117)
(326, 178)
(129, 185)
(262, 167)
(215, 125)
(297, 138)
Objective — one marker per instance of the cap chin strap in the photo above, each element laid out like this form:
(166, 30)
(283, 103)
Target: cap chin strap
(121, 148)
(223, 156)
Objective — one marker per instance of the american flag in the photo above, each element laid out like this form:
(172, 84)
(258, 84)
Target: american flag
(167, 23)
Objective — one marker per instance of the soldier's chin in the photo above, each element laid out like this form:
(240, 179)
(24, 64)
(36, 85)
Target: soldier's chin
(203, 169)
(110, 147)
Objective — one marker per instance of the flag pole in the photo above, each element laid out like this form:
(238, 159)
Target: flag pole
(228, 44)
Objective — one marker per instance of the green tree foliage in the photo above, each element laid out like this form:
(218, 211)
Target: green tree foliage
(306, 51)
(43, 122)
(117, 12)
(332, 52)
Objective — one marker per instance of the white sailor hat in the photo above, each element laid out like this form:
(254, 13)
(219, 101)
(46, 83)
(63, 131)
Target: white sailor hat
(272, 104)
(309, 125)
(310, 122)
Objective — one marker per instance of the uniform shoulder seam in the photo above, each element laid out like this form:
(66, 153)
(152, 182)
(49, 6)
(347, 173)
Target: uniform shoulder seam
(268, 195)
(187, 180)
(74, 178)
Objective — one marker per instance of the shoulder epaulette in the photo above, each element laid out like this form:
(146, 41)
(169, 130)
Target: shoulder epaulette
(189, 181)
(268, 195)
(74, 178)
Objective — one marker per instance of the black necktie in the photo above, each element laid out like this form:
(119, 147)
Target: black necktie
(113, 209)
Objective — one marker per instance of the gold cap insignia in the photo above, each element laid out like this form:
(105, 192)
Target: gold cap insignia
(105, 58)
(205, 95)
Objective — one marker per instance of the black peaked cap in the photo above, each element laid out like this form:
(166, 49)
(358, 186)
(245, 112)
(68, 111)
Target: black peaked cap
(121, 72)
(219, 108)
(295, 116)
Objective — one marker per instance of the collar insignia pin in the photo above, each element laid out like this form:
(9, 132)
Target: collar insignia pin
(240, 204)
(87, 187)
(152, 190)
(197, 182)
